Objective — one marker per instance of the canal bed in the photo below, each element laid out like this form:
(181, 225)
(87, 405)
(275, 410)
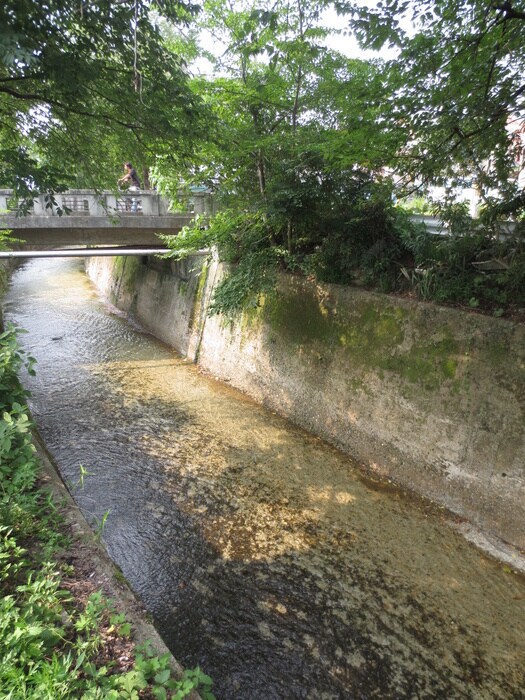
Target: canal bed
(263, 554)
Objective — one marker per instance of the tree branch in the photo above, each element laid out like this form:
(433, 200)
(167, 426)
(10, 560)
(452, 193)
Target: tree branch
(18, 78)
(55, 103)
(510, 12)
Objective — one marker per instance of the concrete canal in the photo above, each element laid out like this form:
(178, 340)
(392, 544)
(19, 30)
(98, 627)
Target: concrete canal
(262, 554)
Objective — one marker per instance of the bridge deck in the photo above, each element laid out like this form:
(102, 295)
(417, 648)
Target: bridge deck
(86, 218)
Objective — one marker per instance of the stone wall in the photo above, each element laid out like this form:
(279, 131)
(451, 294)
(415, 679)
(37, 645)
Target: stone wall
(433, 398)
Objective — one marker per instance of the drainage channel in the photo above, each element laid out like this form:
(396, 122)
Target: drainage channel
(262, 554)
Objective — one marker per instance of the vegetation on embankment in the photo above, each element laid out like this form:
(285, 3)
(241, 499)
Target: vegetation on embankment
(55, 641)
(369, 243)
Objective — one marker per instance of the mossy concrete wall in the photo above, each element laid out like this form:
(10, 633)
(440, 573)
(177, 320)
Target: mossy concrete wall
(6, 268)
(433, 398)
(161, 295)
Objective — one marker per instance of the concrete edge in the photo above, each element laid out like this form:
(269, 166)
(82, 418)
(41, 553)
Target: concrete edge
(117, 588)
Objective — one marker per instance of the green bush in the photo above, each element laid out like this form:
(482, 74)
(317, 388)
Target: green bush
(471, 267)
(369, 248)
(342, 227)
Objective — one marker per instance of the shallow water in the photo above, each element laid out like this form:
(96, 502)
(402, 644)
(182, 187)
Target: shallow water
(263, 554)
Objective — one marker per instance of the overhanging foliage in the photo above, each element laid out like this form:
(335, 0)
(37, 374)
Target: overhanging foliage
(458, 88)
(86, 85)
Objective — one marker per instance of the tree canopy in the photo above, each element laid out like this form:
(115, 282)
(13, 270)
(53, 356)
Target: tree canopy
(86, 85)
(291, 113)
(298, 142)
(306, 140)
(458, 87)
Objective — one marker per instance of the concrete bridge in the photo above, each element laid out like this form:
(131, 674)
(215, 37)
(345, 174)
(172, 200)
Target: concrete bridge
(84, 218)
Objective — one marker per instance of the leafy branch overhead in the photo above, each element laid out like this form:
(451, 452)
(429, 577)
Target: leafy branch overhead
(303, 147)
(75, 75)
(458, 86)
(307, 138)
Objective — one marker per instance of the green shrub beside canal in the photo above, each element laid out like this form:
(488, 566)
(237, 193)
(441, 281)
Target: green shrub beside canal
(49, 644)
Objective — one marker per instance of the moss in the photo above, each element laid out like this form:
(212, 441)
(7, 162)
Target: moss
(203, 276)
(373, 334)
(300, 318)
(130, 266)
(5, 266)
(118, 265)
(371, 337)
(124, 269)
(251, 317)
(428, 364)
(449, 367)
(4, 276)
(199, 293)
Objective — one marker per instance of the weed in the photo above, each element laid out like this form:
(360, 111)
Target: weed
(49, 645)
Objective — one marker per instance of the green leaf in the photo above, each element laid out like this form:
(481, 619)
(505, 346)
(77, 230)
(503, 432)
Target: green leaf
(163, 676)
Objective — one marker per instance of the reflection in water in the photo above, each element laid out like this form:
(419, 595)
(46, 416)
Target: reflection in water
(260, 551)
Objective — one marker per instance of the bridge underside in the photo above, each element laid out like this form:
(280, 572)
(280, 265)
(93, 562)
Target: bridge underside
(51, 233)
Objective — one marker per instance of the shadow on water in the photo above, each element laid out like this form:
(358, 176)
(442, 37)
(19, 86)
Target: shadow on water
(262, 553)
(274, 566)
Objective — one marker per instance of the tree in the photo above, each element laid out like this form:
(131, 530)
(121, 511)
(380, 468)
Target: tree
(297, 145)
(458, 87)
(85, 85)
(284, 103)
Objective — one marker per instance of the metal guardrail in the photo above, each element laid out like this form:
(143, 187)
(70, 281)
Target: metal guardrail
(432, 223)
(438, 227)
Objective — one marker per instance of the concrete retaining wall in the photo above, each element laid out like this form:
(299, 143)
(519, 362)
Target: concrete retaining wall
(432, 398)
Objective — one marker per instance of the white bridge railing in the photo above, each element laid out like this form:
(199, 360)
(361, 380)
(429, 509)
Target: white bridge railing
(90, 203)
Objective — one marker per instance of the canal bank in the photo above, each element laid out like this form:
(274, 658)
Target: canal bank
(431, 398)
(94, 571)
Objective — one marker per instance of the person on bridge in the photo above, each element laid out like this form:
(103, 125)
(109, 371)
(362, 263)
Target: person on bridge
(134, 183)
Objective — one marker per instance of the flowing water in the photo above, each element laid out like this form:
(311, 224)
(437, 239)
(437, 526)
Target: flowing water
(263, 554)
